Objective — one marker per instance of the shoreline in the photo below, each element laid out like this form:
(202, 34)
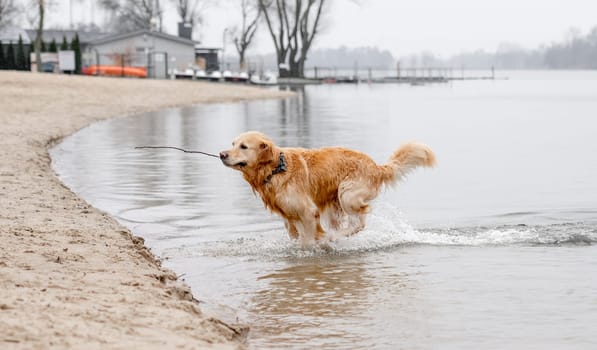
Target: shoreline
(70, 275)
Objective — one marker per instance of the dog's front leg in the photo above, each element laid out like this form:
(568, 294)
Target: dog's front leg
(309, 226)
(301, 217)
(291, 228)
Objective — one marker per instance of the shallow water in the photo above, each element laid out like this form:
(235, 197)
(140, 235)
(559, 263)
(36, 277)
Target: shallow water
(494, 248)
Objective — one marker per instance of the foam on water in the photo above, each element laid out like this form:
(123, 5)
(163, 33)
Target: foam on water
(386, 230)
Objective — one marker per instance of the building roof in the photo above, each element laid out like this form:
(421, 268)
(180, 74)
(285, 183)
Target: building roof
(199, 48)
(11, 34)
(54, 34)
(122, 36)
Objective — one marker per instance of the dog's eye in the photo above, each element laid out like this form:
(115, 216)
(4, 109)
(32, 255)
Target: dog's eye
(243, 146)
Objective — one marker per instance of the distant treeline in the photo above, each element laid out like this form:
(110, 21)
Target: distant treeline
(575, 52)
(341, 58)
(15, 56)
(344, 57)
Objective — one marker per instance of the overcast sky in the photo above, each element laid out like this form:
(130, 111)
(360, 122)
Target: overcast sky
(444, 27)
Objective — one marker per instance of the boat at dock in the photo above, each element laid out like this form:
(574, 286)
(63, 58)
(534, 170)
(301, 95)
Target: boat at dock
(116, 71)
(199, 74)
(268, 78)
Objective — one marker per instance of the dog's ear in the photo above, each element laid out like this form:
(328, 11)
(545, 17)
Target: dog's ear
(266, 153)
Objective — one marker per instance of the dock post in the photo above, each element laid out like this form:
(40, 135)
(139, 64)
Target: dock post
(492, 73)
(369, 74)
(315, 71)
(398, 70)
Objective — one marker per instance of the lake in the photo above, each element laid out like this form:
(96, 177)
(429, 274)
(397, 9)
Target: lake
(493, 248)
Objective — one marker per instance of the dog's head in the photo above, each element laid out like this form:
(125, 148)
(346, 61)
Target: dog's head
(250, 150)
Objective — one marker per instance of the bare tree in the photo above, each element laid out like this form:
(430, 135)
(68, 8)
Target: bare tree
(41, 6)
(35, 11)
(134, 14)
(292, 25)
(8, 9)
(251, 12)
(191, 11)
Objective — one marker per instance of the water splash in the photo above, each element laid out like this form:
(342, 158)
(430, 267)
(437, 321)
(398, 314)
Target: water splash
(386, 230)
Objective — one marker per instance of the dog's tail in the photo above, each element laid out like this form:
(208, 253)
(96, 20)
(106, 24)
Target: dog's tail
(407, 158)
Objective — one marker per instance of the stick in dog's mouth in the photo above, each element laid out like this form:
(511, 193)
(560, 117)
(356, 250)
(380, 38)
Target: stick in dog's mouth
(178, 149)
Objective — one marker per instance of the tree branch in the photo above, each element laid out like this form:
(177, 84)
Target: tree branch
(269, 23)
(319, 10)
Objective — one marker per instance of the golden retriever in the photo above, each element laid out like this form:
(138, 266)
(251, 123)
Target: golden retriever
(308, 186)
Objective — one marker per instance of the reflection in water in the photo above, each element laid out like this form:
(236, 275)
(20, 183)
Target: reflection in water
(288, 122)
(316, 300)
(295, 118)
(314, 289)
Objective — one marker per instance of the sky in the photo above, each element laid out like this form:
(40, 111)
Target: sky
(444, 27)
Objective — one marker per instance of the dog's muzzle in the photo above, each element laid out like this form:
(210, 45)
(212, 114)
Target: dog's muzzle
(225, 158)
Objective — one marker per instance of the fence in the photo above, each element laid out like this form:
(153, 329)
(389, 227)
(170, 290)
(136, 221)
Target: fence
(399, 73)
(373, 73)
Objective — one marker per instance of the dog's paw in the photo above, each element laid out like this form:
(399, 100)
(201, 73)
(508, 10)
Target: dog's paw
(326, 246)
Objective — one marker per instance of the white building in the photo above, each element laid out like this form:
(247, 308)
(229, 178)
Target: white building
(160, 53)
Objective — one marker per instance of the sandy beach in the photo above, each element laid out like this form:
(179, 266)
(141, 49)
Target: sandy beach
(70, 275)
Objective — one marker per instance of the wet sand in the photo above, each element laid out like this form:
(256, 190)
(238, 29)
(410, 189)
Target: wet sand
(70, 275)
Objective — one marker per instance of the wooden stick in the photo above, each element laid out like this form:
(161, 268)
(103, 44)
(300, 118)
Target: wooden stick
(179, 149)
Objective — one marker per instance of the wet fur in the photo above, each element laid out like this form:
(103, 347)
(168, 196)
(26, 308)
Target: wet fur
(332, 184)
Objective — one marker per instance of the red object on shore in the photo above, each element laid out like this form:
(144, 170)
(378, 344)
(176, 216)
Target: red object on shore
(117, 71)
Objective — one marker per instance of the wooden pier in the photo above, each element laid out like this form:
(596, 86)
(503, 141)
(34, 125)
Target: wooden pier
(406, 75)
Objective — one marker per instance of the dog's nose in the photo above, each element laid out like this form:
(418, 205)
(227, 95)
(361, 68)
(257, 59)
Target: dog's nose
(223, 155)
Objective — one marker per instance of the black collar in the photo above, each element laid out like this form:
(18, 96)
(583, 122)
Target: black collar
(279, 169)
